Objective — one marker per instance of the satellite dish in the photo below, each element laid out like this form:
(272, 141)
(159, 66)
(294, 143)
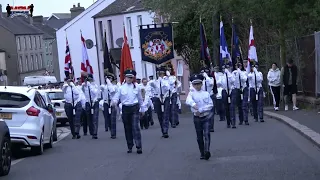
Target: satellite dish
(119, 42)
(89, 43)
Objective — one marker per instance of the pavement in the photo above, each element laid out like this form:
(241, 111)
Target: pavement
(261, 151)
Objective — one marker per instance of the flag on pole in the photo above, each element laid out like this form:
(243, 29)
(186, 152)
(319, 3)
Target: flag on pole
(68, 68)
(86, 67)
(108, 70)
(224, 54)
(204, 51)
(236, 50)
(126, 60)
(252, 52)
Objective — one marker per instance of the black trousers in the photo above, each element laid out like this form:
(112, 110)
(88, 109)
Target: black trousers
(275, 91)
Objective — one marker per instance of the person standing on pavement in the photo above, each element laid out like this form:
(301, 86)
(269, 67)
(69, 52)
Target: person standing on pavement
(129, 94)
(289, 74)
(162, 100)
(207, 85)
(91, 92)
(274, 84)
(109, 89)
(201, 105)
(256, 92)
(72, 107)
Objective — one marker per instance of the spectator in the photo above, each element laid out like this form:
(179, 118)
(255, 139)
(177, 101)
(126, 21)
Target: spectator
(274, 83)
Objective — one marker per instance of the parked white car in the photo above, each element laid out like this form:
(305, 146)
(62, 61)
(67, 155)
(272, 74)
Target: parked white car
(57, 98)
(28, 118)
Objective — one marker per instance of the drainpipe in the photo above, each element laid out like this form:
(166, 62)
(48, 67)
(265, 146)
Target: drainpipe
(97, 49)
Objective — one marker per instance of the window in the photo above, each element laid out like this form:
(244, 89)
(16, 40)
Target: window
(20, 64)
(31, 63)
(30, 42)
(46, 46)
(101, 34)
(35, 42)
(110, 34)
(179, 68)
(13, 100)
(19, 44)
(180, 78)
(41, 62)
(134, 65)
(129, 31)
(40, 44)
(35, 64)
(26, 64)
(139, 18)
(25, 43)
(56, 95)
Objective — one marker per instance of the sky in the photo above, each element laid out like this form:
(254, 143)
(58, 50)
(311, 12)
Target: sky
(47, 7)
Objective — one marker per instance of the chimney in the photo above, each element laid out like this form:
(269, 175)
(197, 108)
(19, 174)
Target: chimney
(75, 11)
(38, 19)
(31, 20)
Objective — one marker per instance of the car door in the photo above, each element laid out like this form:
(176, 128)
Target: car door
(49, 118)
(46, 115)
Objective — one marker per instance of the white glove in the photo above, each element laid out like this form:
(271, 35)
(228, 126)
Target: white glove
(255, 69)
(108, 81)
(226, 70)
(167, 73)
(205, 75)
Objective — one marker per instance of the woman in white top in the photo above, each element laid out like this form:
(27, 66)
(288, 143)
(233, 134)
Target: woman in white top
(274, 84)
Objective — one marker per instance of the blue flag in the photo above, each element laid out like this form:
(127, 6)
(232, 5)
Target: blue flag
(204, 51)
(225, 58)
(236, 50)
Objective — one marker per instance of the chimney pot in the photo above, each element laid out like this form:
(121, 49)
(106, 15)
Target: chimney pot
(78, 4)
(74, 6)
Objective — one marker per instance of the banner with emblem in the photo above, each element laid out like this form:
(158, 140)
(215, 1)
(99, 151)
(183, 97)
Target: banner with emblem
(156, 43)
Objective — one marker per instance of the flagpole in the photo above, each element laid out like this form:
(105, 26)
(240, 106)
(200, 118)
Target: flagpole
(232, 34)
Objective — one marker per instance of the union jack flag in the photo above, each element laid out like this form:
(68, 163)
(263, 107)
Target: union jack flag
(68, 68)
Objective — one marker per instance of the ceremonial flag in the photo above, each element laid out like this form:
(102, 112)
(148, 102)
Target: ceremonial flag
(106, 58)
(236, 50)
(85, 64)
(252, 53)
(224, 54)
(126, 60)
(68, 68)
(204, 51)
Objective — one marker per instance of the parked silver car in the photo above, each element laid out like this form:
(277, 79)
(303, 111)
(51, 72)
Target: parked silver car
(5, 149)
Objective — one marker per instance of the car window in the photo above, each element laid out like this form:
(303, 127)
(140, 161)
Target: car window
(56, 95)
(48, 99)
(43, 102)
(13, 100)
(38, 100)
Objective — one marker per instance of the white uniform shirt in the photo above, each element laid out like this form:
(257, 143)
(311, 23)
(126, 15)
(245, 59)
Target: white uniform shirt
(128, 95)
(255, 77)
(208, 82)
(152, 89)
(82, 96)
(94, 92)
(108, 91)
(147, 103)
(203, 101)
(164, 84)
(240, 76)
(172, 83)
(70, 91)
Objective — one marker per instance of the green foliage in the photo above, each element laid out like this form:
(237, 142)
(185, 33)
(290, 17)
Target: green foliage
(295, 17)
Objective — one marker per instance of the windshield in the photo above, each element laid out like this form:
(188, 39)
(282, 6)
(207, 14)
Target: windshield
(13, 100)
(56, 95)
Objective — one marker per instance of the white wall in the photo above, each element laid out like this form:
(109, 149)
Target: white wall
(85, 23)
(117, 28)
(3, 61)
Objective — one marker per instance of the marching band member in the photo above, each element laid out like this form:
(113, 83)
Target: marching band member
(109, 112)
(83, 117)
(147, 106)
(201, 105)
(256, 92)
(242, 93)
(231, 99)
(91, 91)
(162, 101)
(72, 107)
(221, 93)
(148, 90)
(129, 95)
(207, 85)
(172, 79)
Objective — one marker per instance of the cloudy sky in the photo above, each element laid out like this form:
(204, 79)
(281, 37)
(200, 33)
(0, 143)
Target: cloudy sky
(47, 7)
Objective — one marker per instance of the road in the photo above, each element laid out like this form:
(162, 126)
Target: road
(261, 151)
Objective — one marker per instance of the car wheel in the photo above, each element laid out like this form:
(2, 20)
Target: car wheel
(38, 150)
(50, 144)
(55, 136)
(5, 157)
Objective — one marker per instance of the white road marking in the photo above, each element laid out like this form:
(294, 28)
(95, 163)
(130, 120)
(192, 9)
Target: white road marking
(62, 133)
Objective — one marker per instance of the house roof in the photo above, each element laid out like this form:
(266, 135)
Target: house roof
(18, 26)
(60, 15)
(57, 24)
(121, 7)
(1, 50)
(48, 32)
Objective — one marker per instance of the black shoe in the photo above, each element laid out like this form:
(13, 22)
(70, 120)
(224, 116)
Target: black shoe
(261, 120)
(84, 134)
(240, 123)
(228, 126)
(74, 137)
(106, 130)
(113, 137)
(129, 151)
(247, 123)
(141, 127)
(152, 123)
(221, 120)
(173, 126)
(94, 137)
(207, 155)
(78, 136)
(234, 127)
(139, 150)
(211, 130)
(165, 136)
(202, 157)
(177, 123)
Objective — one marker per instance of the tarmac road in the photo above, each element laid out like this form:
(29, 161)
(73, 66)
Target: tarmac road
(261, 151)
